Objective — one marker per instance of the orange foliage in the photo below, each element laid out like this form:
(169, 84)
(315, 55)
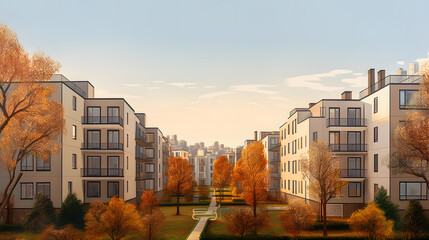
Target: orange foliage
(180, 177)
(252, 174)
(117, 219)
(241, 221)
(296, 218)
(153, 218)
(67, 233)
(222, 174)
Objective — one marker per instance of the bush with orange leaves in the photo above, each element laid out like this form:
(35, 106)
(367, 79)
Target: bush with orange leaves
(152, 218)
(117, 219)
(67, 233)
(241, 221)
(296, 218)
(371, 222)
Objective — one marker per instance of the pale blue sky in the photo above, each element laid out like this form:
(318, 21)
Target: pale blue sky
(218, 70)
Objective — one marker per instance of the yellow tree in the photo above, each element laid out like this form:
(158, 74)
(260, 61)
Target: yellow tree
(222, 175)
(412, 137)
(323, 172)
(117, 219)
(22, 103)
(180, 177)
(152, 218)
(252, 174)
(371, 222)
(296, 218)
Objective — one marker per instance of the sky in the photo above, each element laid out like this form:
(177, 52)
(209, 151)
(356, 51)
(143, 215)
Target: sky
(219, 70)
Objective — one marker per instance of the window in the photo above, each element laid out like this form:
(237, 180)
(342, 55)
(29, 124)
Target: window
(93, 139)
(150, 152)
(93, 166)
(70, 187)
(74, 103)
(113, 115)
(334, 116)
(93, 114)
(149, 184)
(288, 129)
(44, 188)
(26, 190)
(113, 139)
(354, 189)
(113, 166)
(376, 105)
(43, 164)
(375, 134)
(353, 117)
(127, 162)
(334, 141)
(288, 184)
(288, 166)
(314, 136)
(27, 163)
(407, 98)
(150, 137)
(127, 139)
(412, 190)
(354, 167)
(112, 189)
(288, 148)
(93, 189)
(74, 156)
(74, 132)
(375, 189)
(128, 115)
(375, 162)
(150, 167)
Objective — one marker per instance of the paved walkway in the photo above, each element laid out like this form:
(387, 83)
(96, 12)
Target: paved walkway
(196, 232)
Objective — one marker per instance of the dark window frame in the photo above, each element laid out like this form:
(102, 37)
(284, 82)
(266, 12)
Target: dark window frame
(109, 194)
(32, 190)
(49, 187)
(26, 169)
(422, 184)
(376, 105)
(74, 132)
(405, 106)
(99, 137)
(376, 162)
(360, 189)
(44, 168)
(375, 134)
(74, 161)
(74, 103)
(99, 189)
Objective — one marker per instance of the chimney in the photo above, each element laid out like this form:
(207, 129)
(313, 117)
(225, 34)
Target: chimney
(256, 135)
(346, 95)
(371, 80)
(311, 105)
(381, 75)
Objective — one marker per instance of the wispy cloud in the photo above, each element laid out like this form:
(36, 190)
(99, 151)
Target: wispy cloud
(182, 84)
(254, 88)
(313, 81)
(209, 86)
(133, 85)
(158, 81)
(192, 87)
(214, 94)
(277, 98)
(100, 93)
(400, 62)
(357, 82)
(153, 88)
(357, 74)
(257, 104)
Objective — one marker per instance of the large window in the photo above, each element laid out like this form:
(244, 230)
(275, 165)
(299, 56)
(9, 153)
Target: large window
(334, 141)
(150, 137)
(407, 99)
(113, 114)
(94, 137)
(354, 189)
(27, 163)
(150, 153)
(43, 164)
(26, 190)
(150, 167)
(376, 105)
(93, 166)
(354, 167)
(113, 165)
(149, 184)
(353, 117)
(412, 190)
(44, 188)
(93, 189)
(112, 189)
(94, 114)
(334, 116)
(354, 141)
(113, 139)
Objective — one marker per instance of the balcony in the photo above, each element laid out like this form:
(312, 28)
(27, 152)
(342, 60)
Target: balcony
(353, 173)
(388, 80)
(102, 172)
(346, 122)
(102, 146)
(348, 147)
(102, 120)
(141, 139)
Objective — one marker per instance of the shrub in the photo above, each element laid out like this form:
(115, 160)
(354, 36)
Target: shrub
(241, 221)
(67, 233)
(297, 218)
(42, 215)
(414, 219)
(371, 222)
(72, 212)
(389, 208)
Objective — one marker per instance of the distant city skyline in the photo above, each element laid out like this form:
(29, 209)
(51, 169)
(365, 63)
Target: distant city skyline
(220, 70)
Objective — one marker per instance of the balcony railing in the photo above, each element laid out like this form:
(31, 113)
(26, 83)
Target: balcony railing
(346, 122)
(102, 146)
(353, 173)
(348, 147)
(413, 196)
(390, 79)
(102, 120)
(140, 155)
(102, 172)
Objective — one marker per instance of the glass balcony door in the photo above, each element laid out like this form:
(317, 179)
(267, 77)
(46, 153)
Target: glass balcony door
(334, 116)
(354, 167)
(93, 114)
(353, 117)
(334, 141)
(93, 139)
(113, 114)
(354, 141)
(94, 166)
(113, 139)
(113, 166)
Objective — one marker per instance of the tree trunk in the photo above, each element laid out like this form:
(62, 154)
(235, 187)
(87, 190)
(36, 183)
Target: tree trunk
(3, 203)
(320, 211)
(254, 204)
(178, 193)
(150, 232)
(325, 230)
(9, 212)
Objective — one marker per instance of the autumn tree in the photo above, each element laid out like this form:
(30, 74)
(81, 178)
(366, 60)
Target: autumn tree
(297, 217)
(411, 142)
(222, 175)
(180, 177)
(117, 219)
(323, 173)
(241, 221)
(153, 218)
(66, 233)
(252, 174)
(371, 222)
(29, 121)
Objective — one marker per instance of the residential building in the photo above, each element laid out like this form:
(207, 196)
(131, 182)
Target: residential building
(271, 143)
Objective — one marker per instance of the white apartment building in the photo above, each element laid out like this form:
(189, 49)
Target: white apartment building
(359, 133)
(103, 151)
(271, 143)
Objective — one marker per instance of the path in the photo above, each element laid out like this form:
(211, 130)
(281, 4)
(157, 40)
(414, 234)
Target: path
(196, 232)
